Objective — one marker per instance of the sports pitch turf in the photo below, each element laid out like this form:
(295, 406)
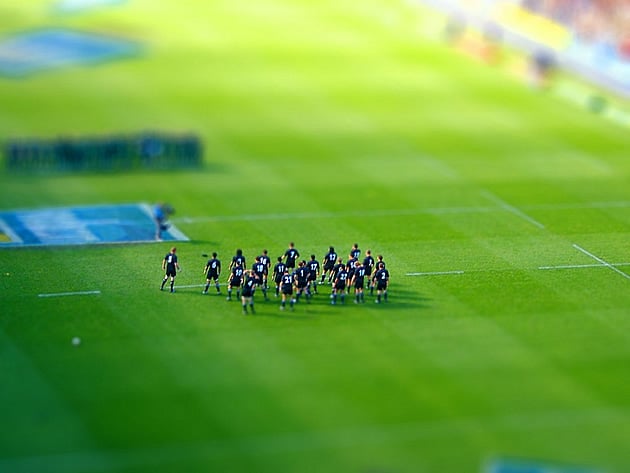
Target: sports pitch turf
(503, 215)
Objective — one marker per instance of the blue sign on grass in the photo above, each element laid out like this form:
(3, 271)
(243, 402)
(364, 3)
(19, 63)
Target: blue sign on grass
(523, 466)
(130, 223)
(32, 52)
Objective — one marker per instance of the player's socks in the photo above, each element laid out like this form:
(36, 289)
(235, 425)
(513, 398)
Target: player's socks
(172, 286)
(385, 295)
(251, 306)
(163, 283)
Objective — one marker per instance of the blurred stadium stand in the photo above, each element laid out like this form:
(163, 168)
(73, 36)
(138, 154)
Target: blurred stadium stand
(590, 38)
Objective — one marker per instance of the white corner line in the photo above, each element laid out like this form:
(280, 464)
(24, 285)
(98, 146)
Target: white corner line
(435, 273)
(605, 263)
(510, 208)
(63, 294)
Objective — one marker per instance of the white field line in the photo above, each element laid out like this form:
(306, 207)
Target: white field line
(63, 294)
(510, 208)
(542, 268)
(605, 263)
(326, 215)
(435, 273)
(395, 212)
(577, 266)
(192, 285)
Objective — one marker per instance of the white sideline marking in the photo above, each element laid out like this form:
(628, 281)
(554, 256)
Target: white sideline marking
(63, 294)
(435, 273)
(510, 208)
(542, 268)
(605, 263)
(577, 266)
(316, 215)
(394, 212)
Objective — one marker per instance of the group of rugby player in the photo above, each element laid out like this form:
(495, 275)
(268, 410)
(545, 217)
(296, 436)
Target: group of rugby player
(294, 278)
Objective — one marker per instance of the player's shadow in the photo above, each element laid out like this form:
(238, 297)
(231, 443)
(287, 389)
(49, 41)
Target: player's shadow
(319, 304)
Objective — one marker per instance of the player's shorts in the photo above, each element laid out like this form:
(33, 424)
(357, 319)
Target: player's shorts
(236, 282)
(247, 292)
(381, 286)
(312, 276)
(340, 286)
(301, 284)
(287, 289)
(328, 266)
(171, 272)
(212, 275)
(359, 284)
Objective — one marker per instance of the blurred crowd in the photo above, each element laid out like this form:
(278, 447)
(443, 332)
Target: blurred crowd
(604, 22)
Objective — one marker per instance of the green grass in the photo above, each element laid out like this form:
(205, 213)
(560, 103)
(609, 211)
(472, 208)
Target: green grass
(324, 123)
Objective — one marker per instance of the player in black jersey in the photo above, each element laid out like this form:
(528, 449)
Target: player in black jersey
(339, 286)
(350, 268)
(212, 270)
(278, 271)
(235, 280)
(286, 286)
(300, 277)
(291, 256)
(340, 264)
(260, 269)
(238, 259)
(355, 252)
(329, 264)
(313, 273)
(379, 261)
(266, 260)
(247, 294)
(358, 282)
(368, 263)
(381, 279)
(170, 267)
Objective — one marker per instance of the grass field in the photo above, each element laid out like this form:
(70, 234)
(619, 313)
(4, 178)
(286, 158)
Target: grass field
(503, 215)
